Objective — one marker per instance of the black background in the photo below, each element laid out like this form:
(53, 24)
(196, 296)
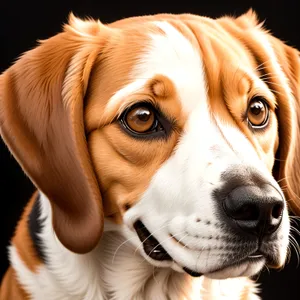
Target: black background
(24, 22)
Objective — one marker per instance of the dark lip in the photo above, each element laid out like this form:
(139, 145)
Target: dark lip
(192, 273)
(154, 250)
(256, 256)
(150, 244)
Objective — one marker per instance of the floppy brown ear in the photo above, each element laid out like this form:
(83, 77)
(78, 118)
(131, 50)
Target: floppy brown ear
(289, 123)
(41, 121)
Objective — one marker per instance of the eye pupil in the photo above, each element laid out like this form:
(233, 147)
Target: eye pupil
(257, 108)
(143, 114)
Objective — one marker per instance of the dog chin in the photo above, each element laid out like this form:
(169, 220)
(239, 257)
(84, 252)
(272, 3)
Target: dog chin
(246, 269)
(162, 264)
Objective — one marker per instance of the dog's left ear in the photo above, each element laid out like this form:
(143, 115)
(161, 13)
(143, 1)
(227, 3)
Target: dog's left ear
(288, 113)
(42, 123)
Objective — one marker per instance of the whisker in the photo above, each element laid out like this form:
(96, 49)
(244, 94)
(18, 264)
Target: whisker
(122, 244)
(256, 278)
(179, 241)
(295, 245)
(294, 194)
(274, 83)
(268, 75)
(268, 269)
(153, 274)
(261, 66)
(284, 178)
(295, 217)
(155, 231)
(168, 238)
(278, 159)
(288, 255)
(297, 254)
(294, 229)
(276, 92)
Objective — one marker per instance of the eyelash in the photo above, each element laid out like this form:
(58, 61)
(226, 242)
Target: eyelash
(160, 119)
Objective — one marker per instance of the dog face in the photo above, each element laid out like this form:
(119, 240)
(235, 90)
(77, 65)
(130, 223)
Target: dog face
(178, 121)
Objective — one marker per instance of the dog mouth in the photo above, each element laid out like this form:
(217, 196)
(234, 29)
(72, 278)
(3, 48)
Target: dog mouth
(154, 250)
(150, 244)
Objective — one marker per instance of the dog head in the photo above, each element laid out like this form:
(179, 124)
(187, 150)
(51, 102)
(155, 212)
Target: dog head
(181, 129)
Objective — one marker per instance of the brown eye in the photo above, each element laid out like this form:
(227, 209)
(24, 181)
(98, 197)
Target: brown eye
(258, 112)
(143, 121)
(140, 119)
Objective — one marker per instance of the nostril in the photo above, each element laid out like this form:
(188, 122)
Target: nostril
(277, 211)
(248, 212)
(241, 211)
(256, 210)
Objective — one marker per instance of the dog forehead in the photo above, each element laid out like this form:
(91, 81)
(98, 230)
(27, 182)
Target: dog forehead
(170, 53)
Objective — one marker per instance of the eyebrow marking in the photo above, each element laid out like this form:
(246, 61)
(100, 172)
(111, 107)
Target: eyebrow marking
(175, 57)
(118, 102)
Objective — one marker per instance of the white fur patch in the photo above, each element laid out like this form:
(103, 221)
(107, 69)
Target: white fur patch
(177, 202)
(181, 191)
(173, 56)
(113, 271)
(67, 275)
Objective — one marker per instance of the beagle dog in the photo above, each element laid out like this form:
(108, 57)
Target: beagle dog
(165, 152)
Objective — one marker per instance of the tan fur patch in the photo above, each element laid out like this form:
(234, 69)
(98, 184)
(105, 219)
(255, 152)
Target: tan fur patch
(230, 88)
(10, 287)
(53, 106)
(22, 240)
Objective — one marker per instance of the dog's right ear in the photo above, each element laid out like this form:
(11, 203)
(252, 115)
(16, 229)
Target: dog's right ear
(41, 122)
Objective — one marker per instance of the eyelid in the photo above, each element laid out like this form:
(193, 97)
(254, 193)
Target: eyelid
(168, 124)
(130, 104)
(148, 101)
(268, 99)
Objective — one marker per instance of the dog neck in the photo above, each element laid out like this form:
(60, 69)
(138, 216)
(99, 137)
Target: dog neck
(114, 270)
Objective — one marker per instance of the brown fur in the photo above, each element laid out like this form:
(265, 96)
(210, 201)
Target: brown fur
(10, 287)
(22, 240)
(35, 121)
(53, 115)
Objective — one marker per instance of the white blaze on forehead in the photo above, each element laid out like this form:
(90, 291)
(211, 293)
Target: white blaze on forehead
(170, 54)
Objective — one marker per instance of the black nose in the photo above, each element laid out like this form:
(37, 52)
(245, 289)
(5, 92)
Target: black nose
(254, 209)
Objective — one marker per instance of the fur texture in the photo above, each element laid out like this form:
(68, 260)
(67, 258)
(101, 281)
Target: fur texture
(62, 108)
